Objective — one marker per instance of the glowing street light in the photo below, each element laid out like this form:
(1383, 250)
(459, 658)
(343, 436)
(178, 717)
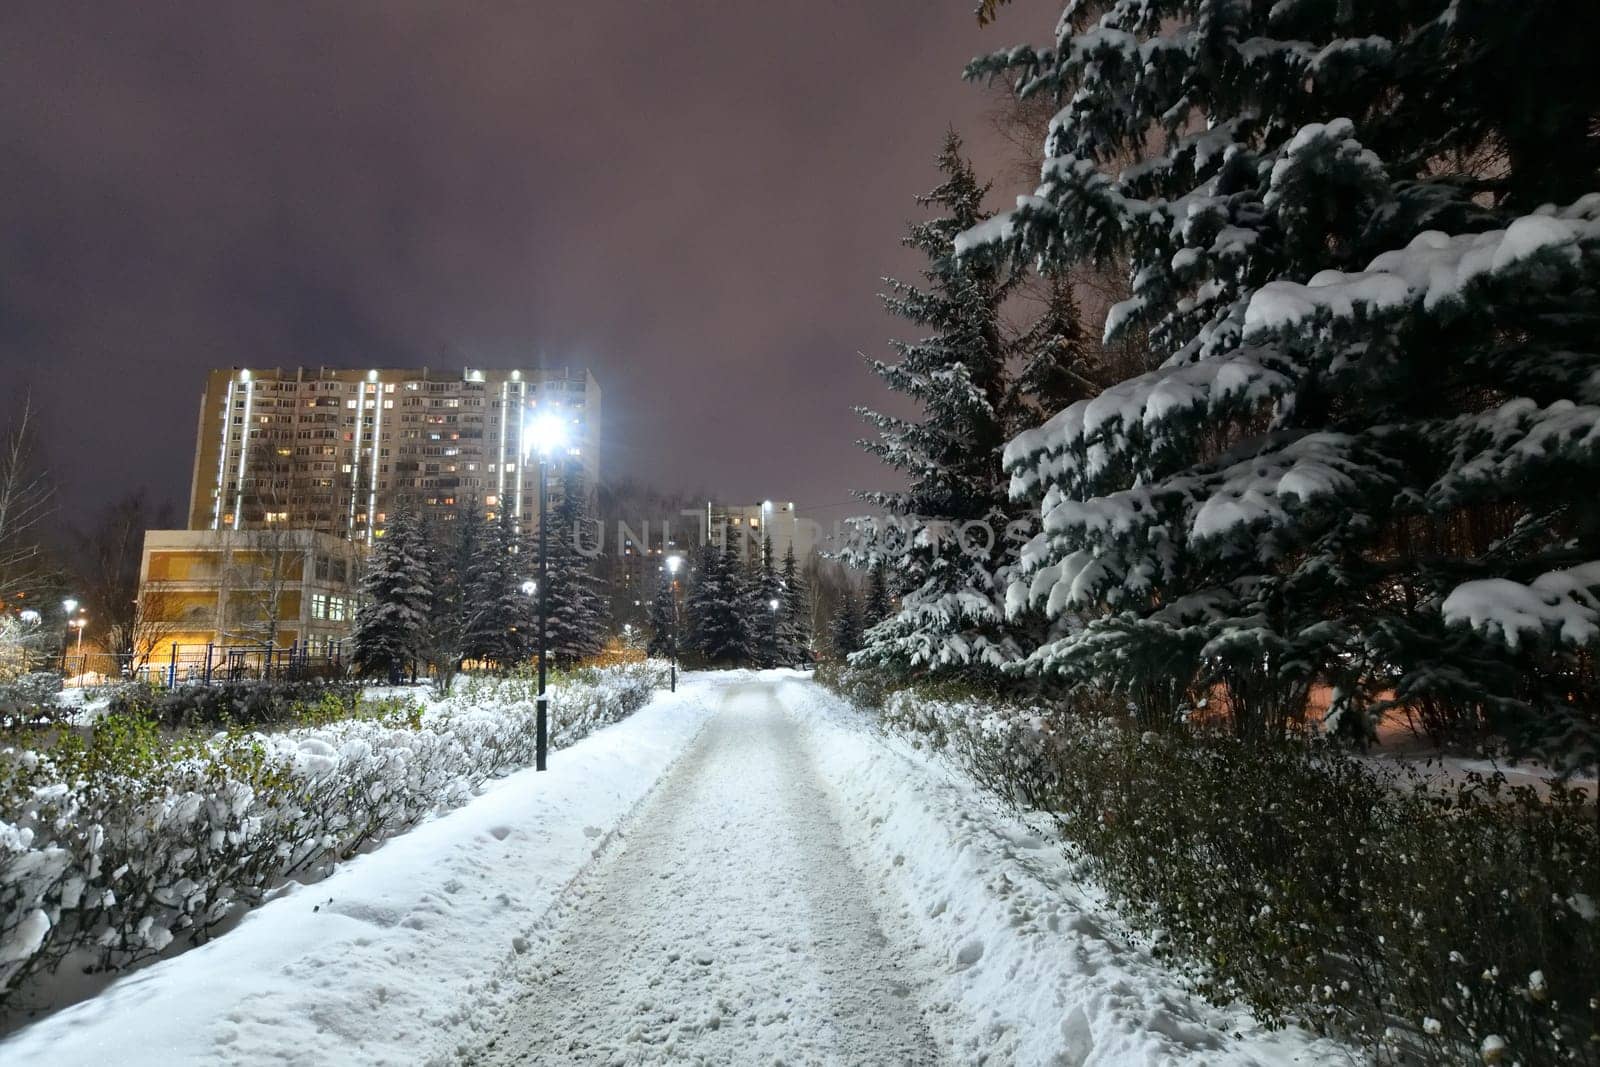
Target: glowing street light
(773, 603)
(674, 564)
(545, 433)
(530, 587)
(70, 606)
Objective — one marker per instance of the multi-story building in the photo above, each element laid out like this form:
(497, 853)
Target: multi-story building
(744, 526)
(339, 451)
(277, 588)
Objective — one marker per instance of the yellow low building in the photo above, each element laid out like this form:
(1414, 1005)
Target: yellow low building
(255, 592)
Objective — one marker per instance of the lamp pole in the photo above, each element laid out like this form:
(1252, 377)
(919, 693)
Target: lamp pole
(70, 606)
(673, 563)
(549, 433)
(542, 742)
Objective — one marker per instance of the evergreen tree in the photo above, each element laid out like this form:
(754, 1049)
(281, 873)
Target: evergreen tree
(396, 597)
(1058, 366)
(1368, 456)
(875, 608)
(501, 623)
(450, 549)
(576, 604)
(943, 533)
(766, 613)
(794, 626)
(663, 619)
(717, 609)
(846, 625)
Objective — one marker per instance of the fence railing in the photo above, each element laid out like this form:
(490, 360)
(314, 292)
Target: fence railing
(206, 665)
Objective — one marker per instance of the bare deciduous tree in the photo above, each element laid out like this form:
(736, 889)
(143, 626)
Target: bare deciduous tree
(108, 571)
(27, 498)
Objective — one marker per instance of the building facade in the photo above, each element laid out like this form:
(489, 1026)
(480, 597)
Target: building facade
(745, 526)
(339, 451)
(273, 588)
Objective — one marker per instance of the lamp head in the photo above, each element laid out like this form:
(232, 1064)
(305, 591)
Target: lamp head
(547, 433)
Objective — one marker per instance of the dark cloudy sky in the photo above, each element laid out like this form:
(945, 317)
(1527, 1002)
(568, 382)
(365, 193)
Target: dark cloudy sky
(695, 198)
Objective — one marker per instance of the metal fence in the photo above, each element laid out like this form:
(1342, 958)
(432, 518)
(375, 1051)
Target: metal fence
(207, 665)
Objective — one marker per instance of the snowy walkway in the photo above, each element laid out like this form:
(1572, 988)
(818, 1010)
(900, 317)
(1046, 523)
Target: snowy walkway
(727, 927)
(746, 872)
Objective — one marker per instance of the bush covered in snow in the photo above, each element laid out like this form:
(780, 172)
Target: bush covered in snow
(254, 703)
(30, 697)
(1420, 918)
(116, 844)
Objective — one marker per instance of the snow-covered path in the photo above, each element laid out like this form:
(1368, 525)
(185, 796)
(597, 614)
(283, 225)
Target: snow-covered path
(746, 871)
(727, 926)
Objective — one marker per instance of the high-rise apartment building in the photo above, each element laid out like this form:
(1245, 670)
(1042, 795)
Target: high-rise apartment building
(745, 526)
(339, 451)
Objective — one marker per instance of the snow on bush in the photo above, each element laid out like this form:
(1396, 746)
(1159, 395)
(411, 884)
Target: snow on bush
(1418, 918)
(113, 847)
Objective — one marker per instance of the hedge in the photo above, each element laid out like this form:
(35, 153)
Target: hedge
(1432, 922)
(115, 846)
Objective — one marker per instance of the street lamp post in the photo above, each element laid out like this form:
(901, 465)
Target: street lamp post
(548, 433)
(70, 606)
(673, 563)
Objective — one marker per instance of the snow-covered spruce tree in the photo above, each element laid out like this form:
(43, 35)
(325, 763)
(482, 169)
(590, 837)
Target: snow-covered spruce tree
(845, 632)
(718, 626)
(943, 535)
(396, 597)
(794, 627)
(875, 605)
(1364, 239)
(766, 608)
(500, 617)
(451, 546)
(663, 619)
(576, 604)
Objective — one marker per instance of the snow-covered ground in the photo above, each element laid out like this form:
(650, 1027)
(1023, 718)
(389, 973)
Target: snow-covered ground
(748, 872)
(728, 926)
(367, 965)
(1021, 962)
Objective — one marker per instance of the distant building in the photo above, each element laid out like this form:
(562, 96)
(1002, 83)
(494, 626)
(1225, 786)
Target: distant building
(339, 451)
(744, 526)
(286, 589)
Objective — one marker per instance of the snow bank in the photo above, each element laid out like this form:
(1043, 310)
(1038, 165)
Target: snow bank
(1034, 970)
(371, 964)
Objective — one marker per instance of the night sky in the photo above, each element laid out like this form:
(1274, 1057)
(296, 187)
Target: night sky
(694, 198)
